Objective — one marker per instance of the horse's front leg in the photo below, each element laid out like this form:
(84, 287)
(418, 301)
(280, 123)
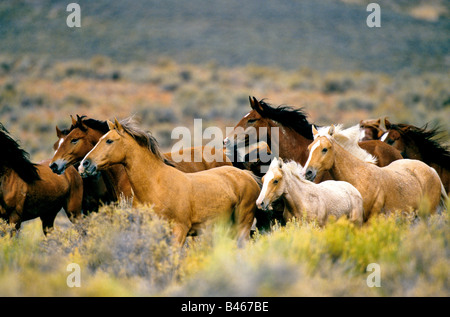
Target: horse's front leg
(16, 220)
(180, 232)
(48, 221)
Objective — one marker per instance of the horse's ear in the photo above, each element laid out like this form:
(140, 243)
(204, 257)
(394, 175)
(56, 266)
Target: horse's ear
(382, 124)
(257, 105)
(331, 130)
(251, 102)
(314, 131)
(118, 125)
(280, 163)
(58, 132)
(110, 125)
(74, 122)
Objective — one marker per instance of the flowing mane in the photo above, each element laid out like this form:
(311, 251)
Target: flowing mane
(428, 141)
(16, 158)
(295, 119)
(348, 139)
(143, 138)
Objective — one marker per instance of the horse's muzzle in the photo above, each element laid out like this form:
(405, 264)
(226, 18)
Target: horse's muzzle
(263, 206)
(310, 174)
(58, 167)
(87, 168)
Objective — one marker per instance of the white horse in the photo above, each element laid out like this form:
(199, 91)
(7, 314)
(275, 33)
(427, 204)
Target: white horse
(302, 197)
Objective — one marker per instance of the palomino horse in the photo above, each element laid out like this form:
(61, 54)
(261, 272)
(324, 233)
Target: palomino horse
(302, 197)
(403, 185)
(188, 200)
(416, 143)
(28, 190)
(73, 144)
(294, 133)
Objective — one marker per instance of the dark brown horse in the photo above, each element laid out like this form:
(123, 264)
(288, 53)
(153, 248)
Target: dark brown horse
(422, 144)
(295, 133)
(28, 190)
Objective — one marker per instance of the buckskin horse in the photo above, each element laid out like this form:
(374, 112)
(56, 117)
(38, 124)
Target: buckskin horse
(188, 200)
(29, 190)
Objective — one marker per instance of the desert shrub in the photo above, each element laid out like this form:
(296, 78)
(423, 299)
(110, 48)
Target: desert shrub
(302, 259)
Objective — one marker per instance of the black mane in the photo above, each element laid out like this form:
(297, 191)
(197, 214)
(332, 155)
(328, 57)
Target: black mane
(428, 142)
(295, 119)
(95, 124)
(16, 158)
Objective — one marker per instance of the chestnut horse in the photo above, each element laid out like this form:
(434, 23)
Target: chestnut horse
(188, 200)
(304, 198)
(73, 144)
(294, 133)
(28, 190)
(416, 143)
(403, 185)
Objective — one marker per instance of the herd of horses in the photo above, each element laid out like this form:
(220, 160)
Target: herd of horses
(371, 168)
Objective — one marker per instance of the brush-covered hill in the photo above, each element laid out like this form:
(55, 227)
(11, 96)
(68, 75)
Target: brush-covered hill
(323, 35)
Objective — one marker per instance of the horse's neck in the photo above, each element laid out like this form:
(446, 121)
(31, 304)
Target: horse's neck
(292, 145)
(295, 191)
(346, 166)
(94, 136)
(145, 172)
(412, 151)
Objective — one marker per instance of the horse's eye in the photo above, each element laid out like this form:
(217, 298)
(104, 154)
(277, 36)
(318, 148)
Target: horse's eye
(252, 120)
(324, 150)
(74, 141)
(109, 141)
(275, 181)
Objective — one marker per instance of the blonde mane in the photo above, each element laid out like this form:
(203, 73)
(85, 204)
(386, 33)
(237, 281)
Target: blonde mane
(348, 139)
(291, 168)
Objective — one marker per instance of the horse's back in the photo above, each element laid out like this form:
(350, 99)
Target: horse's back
(420, 177)
(384, 153)
(340, 193)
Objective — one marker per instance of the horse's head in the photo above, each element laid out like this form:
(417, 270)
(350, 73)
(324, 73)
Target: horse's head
(321, 154)
(73, 145)
(373, 129)
(273, 185)
(247, 131)
(61, 134)
(111, 149)
(395, 137)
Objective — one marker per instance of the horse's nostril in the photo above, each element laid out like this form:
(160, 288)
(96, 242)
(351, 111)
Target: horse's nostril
(308, 173)
(86, 163)
(53, 167)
